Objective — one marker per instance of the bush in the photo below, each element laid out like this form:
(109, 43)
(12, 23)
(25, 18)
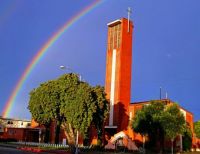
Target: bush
(8, 140)
(187, 140)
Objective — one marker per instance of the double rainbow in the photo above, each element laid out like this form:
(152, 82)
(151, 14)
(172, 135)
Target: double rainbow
(41, 53)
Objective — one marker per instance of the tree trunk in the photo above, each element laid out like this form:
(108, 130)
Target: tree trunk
(143, 140)
(99, 136)
(172, 141)
(69, 134)
(58, 124)
(181, 143)
(47, 134)
(76, 143)
(162, 142)
(70, 137)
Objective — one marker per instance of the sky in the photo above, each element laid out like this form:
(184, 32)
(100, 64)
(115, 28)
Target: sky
(166, 45)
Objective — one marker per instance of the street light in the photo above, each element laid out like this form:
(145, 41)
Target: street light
(77, 134)
(68, 68)
(62, 67)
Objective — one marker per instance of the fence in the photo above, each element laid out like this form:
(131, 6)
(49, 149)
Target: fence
(41, 144)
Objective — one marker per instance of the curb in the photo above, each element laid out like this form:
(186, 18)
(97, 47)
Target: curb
(38, 150)
(30, 149)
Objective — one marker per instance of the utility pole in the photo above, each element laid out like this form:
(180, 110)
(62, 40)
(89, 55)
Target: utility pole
(77, 134)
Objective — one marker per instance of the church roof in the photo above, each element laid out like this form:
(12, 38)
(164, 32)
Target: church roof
(162, 100)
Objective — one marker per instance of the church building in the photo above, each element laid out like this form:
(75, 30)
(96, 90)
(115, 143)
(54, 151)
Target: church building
(118, 87)
(118, 82)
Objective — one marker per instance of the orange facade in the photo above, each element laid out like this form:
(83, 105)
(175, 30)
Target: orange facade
(13, 133)
(18, 130)
(138, 105)
(118, 81)
(20, 134)
(118, 72)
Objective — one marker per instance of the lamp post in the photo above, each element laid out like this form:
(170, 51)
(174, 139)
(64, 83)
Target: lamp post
(68, 68)
(62, 67)
(76, 152)
(77, 134)
(160, 93)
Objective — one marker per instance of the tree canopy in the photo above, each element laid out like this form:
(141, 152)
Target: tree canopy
(71, 103)
(44, 105)
(197, 128)
(41, 103)
(173, 121)
(101, 110)
(146, 122)
(157, 120)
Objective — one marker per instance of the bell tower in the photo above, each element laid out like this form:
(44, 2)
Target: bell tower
(118, 73)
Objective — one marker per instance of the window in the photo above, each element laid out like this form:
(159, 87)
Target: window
(114, 35)
(11, 132)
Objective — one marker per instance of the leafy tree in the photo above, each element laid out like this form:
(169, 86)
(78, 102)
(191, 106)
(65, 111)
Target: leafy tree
(197, 128)
(36, 107)
(81, 106)
(173, 122)
(146, 122)
(68, 86)
(44, 105)
(158, 120)
(187, 138)
(78, 111)
(140, 124)
(101, 113)
(71, 103)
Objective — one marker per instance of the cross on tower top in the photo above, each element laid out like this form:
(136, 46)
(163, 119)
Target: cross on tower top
(129, 14)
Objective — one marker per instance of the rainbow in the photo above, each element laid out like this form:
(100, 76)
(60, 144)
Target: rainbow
(41, 53)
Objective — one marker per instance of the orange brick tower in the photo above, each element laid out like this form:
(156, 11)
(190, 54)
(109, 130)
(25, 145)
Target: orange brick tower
(118, 73)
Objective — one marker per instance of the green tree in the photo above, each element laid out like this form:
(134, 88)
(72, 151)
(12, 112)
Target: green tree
(44, 105)
(101, 113)
(146, 122)
(68, 86)
(157, 121)
(140, 124)
(197, 128)
(187, 138)
(71, 103)
(82, 105)
(173, 122)
(37, 108)
(78, 110)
